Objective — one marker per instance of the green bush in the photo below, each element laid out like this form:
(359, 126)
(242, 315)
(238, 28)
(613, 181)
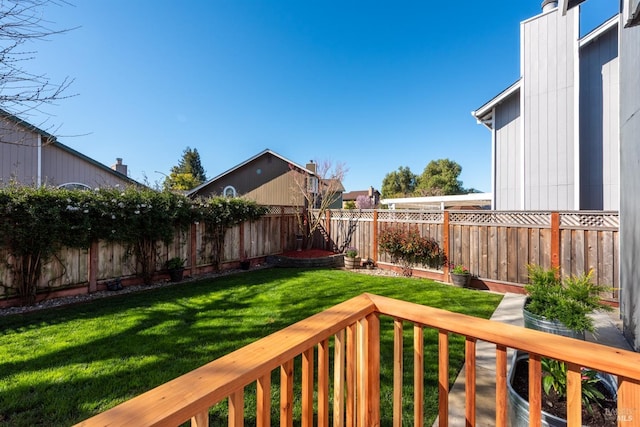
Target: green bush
(35, 223)
(219, 214)
(569, 301)
(407, 247)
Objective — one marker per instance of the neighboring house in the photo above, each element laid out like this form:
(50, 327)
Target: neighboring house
(31, 156)
(266, 178)
(372, 194)
(555, 131)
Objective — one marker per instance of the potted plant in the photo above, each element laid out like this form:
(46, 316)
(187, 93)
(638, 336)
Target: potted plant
(175, 266)
(561, 307)
(351, 258)
(599, 397)
(460, 275)
(244, 262)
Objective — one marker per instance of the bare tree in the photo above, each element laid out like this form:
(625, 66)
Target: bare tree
(318, 189)
(21, 23)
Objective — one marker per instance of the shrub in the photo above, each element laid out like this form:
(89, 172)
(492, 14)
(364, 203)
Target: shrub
(141, 218)
(407, 247)
(351, 252)
(174, 263)
(458, 269)
(221, 213)
(37, 222)
(34, 224)
(569, 301)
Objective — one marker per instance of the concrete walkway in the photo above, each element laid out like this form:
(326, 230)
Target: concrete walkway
(510, 311)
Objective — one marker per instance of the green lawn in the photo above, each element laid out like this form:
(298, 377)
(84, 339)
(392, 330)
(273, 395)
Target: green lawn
(60, 366)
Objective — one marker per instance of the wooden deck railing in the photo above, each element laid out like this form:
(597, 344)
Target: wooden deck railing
(355, 327)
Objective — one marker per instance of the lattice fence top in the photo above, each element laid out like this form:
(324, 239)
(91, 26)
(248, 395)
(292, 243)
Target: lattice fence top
(436, 217)
(586, 220)
(350, 214)
(281, 210)
(596, 220)
(514, 219)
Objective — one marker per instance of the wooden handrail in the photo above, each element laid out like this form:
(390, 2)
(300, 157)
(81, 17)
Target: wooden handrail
(355, 325)
(583, 353)
(178, 400)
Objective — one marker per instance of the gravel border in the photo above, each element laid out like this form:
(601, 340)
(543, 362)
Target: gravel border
(76, 299)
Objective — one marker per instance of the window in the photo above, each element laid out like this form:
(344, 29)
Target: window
(74, 186)
(229, 191)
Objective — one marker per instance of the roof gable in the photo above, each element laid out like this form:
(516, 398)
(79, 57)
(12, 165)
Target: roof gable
(263, 153)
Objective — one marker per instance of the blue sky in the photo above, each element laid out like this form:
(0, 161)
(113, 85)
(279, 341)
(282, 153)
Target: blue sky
(375, 85)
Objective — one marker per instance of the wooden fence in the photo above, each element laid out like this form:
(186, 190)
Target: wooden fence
(86, 270)
(496, 246)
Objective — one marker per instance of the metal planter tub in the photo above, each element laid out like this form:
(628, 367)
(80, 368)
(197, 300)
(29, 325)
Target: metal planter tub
(518, 408)
(539, 323)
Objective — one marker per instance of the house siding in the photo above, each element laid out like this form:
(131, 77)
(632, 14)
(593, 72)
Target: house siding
(278, 191)
(266, 180)
(508, 184)
(630, 183)
(18, 154)
(60, 167)
(599, 134)
(547, 108)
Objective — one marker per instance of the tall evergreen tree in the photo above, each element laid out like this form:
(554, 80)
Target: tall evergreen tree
(188, 174)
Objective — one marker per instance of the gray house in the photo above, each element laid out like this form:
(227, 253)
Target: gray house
(31, 156)
(630, 170)
(555, 131)
(566, 135)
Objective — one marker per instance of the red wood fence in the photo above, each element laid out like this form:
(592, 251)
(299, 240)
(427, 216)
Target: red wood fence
(75, 271)
(495, 246)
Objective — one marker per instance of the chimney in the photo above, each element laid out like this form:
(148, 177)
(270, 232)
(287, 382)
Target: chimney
(119, 167)
(311, 166)
(548, 5)
(370, 192)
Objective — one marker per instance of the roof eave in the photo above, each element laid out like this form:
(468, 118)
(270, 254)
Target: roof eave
(487, 109)
(605, 27)
(7, 115)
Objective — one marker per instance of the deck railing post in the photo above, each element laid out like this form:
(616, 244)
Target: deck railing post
(373, 348)
(628, 411)
(443, 378)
